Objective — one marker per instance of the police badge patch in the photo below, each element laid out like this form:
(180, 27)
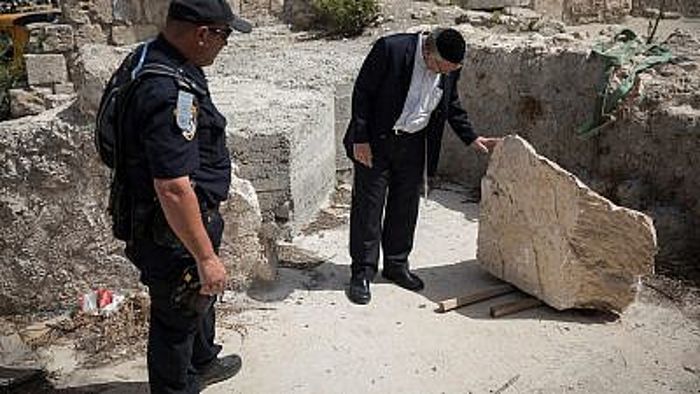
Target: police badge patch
(186, 114)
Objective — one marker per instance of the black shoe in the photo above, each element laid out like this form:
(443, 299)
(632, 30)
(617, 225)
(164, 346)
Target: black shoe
(404, 278)
(358, 291)
(219, 370)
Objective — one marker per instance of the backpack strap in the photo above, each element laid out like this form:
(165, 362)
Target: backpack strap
(158, 69)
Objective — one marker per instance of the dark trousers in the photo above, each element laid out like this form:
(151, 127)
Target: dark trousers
(391, 188)
(179, 340)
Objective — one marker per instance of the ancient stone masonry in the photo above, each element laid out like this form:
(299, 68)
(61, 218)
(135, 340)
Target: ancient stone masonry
(590, 11)
(672, 8)
(543, 88)
(287, 149)
(53, 47)
(543, 230)
(56, 238)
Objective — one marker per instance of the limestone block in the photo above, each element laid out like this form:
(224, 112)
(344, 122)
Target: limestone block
(155, 12)
(543, 230)
(57, 100)
(250, 8)
(94, 66)
(89, 34)
(46, 69)
(102, 11)
(127, 11)
(590, 11)
(64, 88)
(58, 38)
(55, 232)
(243, 249)
(343, 109)
(125, 35)
(476, 18)
(284, 143)
(550, 8)
(26, 102)
(490, 4)
(75, 11)
(526, 15)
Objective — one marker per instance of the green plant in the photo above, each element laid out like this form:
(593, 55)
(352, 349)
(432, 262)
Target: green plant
(345, 17)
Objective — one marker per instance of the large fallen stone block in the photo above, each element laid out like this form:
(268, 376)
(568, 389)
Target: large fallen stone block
(544, 231)
(284, 142)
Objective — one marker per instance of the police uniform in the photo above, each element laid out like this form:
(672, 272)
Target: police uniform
(172, 129)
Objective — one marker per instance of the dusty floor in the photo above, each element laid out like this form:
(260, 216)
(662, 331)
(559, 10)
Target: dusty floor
(301, 335)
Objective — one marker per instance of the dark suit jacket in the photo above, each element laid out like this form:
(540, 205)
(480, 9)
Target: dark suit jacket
(379, 95)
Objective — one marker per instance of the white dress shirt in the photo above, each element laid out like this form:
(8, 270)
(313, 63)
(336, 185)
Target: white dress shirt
(423, 96)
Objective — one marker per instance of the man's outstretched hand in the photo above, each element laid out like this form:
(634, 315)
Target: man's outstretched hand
(485, 144)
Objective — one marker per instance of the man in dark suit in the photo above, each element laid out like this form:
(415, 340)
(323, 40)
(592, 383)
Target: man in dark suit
(404, 93)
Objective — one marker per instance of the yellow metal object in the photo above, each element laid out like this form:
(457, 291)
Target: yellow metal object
(13, 25)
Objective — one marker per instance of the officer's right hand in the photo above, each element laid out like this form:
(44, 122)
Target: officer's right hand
(363, 153)
(212, 275)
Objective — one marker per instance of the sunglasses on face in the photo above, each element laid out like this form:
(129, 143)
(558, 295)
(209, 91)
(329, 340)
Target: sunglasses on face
(223, 32)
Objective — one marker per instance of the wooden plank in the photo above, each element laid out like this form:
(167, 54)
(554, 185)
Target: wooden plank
(471, 298)
(515, 306)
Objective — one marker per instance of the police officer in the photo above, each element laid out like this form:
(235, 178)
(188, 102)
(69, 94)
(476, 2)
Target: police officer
(178, 171)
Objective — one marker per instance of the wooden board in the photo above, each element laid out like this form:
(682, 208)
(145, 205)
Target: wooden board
(471, 298)
(515, 306)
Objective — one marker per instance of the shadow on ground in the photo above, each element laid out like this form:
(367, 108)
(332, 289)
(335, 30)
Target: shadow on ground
(442, 282)
(459, 279)
(25, 381)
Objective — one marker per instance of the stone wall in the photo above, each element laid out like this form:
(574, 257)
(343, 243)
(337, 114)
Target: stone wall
(54, 237)
(584, 11)
(53, 47)
(53, 194)
(647, 160)
(56, 240)
(689, 8)
(591, 11)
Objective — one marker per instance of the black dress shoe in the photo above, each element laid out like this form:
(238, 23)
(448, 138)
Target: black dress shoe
(404, 278)
(358, 291)
(218, 370)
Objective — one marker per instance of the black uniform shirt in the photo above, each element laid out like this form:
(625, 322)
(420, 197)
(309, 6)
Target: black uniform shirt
(157, 145)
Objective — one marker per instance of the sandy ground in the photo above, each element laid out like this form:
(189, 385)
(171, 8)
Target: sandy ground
(301, 335)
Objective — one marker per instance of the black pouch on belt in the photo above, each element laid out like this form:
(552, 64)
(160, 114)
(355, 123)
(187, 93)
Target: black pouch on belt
(186, 297)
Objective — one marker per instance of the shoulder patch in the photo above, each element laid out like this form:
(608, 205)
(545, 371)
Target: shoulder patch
(186, 114)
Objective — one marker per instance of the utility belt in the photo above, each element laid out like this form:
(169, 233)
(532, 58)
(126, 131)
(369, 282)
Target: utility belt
(159, 231)
(153, 226)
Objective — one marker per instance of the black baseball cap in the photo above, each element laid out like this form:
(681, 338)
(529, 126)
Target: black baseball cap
(207, 11)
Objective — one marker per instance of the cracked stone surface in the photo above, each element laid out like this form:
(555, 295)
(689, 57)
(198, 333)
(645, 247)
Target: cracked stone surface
(546, 232)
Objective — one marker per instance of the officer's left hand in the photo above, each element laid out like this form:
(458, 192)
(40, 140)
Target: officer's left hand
(212, 275)
(485, 144)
